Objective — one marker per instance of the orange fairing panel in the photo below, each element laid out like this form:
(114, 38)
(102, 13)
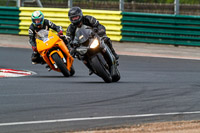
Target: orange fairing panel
(48, 44)
(53, 41)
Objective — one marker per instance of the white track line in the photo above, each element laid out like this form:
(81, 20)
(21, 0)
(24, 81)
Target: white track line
(96, 118)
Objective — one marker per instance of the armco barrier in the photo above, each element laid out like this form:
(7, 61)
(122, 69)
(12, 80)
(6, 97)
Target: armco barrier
(9, 20)
(58, 16)
(160, 28)
(110, 19)
(121, 26)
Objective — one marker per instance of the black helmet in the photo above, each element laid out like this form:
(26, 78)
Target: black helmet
(75, 15)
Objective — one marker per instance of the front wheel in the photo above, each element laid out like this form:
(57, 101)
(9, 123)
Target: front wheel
(61, 65)
(72, 71)
(101, 70)
(117, 76)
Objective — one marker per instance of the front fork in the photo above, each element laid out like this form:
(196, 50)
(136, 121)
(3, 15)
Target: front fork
(110, 58)
(107, 53)
(60, 54)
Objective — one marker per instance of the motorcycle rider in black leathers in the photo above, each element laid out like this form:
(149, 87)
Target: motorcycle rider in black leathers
(77, 20)
(38, 23)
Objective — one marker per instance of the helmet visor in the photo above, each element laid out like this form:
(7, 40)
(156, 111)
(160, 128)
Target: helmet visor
(74, 18)
(37, 21)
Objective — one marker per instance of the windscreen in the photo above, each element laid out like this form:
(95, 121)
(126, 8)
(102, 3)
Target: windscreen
(83, 34)
(43, 35)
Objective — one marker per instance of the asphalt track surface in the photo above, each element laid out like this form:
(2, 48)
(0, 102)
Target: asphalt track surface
(150, 90)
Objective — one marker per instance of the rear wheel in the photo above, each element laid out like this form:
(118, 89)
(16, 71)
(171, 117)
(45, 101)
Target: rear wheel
(101, 70)
(61, 65)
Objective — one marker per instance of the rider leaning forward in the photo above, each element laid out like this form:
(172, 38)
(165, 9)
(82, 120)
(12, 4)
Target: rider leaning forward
(77, 20)
(38, 23)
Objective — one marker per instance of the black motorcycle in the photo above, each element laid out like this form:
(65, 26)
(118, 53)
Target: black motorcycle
(95, 54)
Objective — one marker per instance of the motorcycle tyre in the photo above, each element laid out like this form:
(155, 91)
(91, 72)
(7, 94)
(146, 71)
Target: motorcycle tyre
(101, 70)
(61, 65)
(72, 71)
(117, 77)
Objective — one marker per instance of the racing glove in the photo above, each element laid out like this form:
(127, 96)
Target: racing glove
(60, 33)
(100, 32)
(34, 48)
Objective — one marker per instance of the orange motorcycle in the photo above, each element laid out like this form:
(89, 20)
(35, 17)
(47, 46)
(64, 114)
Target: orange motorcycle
(54, 52)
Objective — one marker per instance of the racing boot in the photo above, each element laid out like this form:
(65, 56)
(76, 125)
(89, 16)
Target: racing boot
(109, 43)
(48, 68)
(35, 58)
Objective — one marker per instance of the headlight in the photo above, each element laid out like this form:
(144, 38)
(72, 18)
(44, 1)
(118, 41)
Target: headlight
(95, 43)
